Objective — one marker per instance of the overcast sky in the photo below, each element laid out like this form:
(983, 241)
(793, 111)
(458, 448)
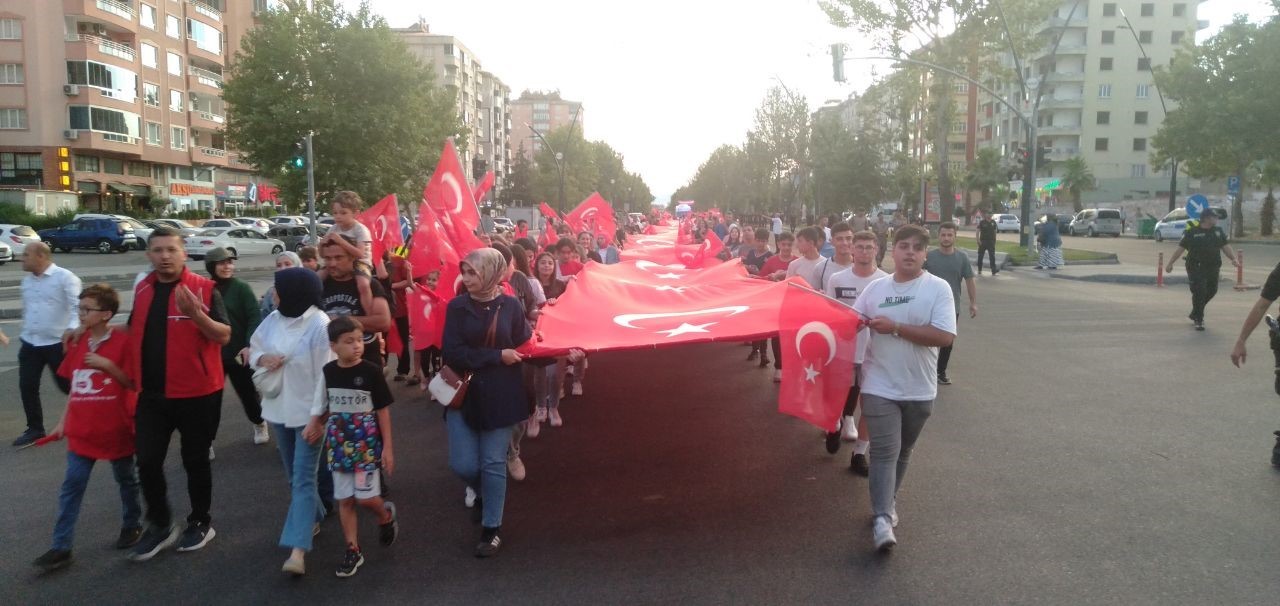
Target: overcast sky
(665, 82)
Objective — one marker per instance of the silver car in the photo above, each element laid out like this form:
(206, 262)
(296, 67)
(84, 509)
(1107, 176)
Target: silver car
(1095, 222)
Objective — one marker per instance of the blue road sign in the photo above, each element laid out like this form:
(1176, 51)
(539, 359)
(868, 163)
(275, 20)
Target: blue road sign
(253, 193)
(1233, 185)
(1196, 205)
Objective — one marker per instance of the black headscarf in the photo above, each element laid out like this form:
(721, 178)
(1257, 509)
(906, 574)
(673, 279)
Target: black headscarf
(299, 288)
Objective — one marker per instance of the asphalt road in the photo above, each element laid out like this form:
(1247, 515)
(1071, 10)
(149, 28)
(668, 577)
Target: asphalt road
(1093, 450)
(1259, 259)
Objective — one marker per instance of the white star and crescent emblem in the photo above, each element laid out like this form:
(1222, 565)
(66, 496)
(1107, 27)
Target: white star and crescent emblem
(452, 182)
(628, 320)
(823, 330)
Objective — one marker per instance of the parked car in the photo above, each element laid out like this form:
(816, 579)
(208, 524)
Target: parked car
(17, 237)
(259, 224)
(1064, 221)
(140, 229)
(103, 235)
(6, 254)
(503, 225)
(1174, 224)
(238, 240)
(1007, 222)
(227, 224)
(295, 236)
(1095, 222)
(184, 228)
(290, 220)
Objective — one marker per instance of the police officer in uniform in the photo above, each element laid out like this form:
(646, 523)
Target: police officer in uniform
(1203, 245)
(1270, 292)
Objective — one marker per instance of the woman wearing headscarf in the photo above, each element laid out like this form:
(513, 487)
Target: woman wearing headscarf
(243, 315)
(480, 431)
(1050, 244)
(284, 260)
(293, 341)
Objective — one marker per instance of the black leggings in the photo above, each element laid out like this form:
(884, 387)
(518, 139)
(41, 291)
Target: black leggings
(241, 378)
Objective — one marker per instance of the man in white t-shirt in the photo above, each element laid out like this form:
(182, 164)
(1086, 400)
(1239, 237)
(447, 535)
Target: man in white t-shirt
(807, 248)
(911, 314)
(840, 260)
(844, 287)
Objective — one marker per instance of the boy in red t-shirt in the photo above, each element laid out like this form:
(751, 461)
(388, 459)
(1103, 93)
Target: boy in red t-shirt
(566, 265)
(775, 268)
(98, 422)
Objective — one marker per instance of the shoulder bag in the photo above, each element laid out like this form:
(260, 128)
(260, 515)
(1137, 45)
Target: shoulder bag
(448, 387)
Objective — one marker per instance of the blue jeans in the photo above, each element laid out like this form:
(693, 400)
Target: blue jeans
(300, 459)
(480, 459)
(78, 470)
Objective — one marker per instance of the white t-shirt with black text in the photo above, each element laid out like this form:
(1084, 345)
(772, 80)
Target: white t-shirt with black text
(895, 368)
(845, 286)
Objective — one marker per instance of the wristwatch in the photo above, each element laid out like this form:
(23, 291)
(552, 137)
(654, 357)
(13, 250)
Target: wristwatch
(895, 330)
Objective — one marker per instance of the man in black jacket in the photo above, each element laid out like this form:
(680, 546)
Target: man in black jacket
(987, 243)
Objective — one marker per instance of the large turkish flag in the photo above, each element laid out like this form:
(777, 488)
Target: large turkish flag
(593, 215)
(818, 337)
(426, 317)
(383, 221)
(450, 197)
(432, 251)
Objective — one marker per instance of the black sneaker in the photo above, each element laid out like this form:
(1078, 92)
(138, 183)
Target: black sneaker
(387, 532)
(859, 465)
(1199, 325)
(128, 537)
(488, 547)
(197, 535)
(351, 562)
(154, 540)
(943, 379)
(833, 442)
(53, 560)
(28, 438)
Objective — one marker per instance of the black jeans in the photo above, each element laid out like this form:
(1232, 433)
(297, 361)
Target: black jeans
(241, 378)
(402, 356)
(32, 360)
(776, 344)
(944, 353)
(1204, 285)
(196, 419)
(990, 249)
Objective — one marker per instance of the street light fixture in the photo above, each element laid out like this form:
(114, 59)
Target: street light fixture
(559, 156)
(1173, 162)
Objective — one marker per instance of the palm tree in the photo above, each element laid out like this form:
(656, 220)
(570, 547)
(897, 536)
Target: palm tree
(1078, 179)
(984, 174)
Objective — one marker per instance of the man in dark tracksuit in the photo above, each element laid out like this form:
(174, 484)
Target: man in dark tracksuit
(1203, 245)
(987, 243)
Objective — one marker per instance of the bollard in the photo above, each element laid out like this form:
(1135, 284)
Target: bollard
(1160, 270)
(1240, 271)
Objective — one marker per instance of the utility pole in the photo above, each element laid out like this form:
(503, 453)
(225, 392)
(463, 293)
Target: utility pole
(311, 187)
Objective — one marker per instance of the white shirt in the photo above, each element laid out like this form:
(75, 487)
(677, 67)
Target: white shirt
(363, 238)
(304, 342)
(800, 266)
(895, 368)
(777, 226)
(823, 271)
(845, 287)
(49, 302)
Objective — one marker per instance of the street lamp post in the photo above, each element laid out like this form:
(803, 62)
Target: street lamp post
(1173, 162)
(559, 156)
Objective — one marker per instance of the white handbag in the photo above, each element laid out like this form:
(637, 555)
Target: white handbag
(269, 383)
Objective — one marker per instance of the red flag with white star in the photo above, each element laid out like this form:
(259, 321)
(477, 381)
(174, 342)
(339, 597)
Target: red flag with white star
(383, 221)
(426, 317)
(818, 343)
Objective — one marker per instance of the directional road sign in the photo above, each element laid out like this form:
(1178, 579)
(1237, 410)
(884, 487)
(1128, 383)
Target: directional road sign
(1196, 205)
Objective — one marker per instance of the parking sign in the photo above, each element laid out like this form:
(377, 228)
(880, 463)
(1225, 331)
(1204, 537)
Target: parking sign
(1233, 185)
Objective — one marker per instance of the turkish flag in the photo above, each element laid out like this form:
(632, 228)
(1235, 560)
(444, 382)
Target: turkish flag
(818, 342)
(483, 187)
(426, 317)
(430, 251)
(594, 215)
(383, 221)
(449, 196)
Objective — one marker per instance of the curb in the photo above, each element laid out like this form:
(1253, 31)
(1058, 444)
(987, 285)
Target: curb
(1112, 259)
(1143, 280)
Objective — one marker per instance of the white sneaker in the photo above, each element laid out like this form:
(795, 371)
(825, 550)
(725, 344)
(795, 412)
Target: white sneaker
(849, 429)
(470, 498)
(541, 414)
(556, 421)
(515, 469)
(777, 376)
(882, 534)
(260, 433)
(577, 388)
(532, 427)
(211, 452)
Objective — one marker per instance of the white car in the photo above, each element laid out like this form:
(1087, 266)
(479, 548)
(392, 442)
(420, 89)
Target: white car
(1007, 222)
(503, 224)
(228, 224)
(290, 220)
(261, 225)
(17, 237)
(1174, 224)
(6, 254)
(239, 241)
(184, 228)
(140, 229)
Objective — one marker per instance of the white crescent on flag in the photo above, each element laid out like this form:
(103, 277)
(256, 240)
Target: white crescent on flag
(823, 330)
(625, 320)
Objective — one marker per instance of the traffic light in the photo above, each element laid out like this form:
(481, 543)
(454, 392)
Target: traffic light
(837, 62)
(299, 159)
(64, 168)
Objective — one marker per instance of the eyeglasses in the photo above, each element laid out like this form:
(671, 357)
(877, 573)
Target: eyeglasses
(85, 310)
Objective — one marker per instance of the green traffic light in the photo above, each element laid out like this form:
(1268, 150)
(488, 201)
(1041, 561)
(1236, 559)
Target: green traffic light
(299, 162)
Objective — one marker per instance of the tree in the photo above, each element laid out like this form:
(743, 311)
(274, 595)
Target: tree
(1267, 174)
(589, 166)
(1077, 178)
(984, 174)
(519, 189)
(848, 170)
(781, 132)
(378, 118)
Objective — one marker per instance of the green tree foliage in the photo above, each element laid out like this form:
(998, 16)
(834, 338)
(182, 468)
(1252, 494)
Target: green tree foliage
(847, 167)
(519, 182)
(1077, 178)
(984, 175)
(589, 166)
(378, 118)
(1225, 119)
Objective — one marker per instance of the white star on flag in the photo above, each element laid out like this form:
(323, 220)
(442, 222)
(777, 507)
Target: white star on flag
(685, 328)
(677, 289)
(669, 276)
(810, 374)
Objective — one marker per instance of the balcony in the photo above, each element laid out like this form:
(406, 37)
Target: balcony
(1071, 48)
(108, 14)
(236, 160)
(208, 155)
(204, 77)
(1062, 154)
(97, 48)
(1059, 129)
(206, 10)
(207, 120)
(1066, 77)
(1061, 102)
(100, 141)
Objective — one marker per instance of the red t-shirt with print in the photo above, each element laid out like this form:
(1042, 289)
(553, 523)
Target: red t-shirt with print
(99, 418)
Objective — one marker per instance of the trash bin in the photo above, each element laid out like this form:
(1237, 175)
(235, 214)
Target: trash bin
(1146, 228)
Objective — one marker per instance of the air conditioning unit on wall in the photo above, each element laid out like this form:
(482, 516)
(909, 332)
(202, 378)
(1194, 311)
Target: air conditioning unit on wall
(71, 133)
(70, 90)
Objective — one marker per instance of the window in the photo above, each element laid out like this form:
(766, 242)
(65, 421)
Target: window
(207, 38)
(173, 27)
(88, 164)
(21, 169)
(959, 127)
(1109, 9)
(957, 147)
(181, 172)
(150, 56)
(1139, 144)
(1100, 144)
(177, 137)
(1104, 91)
(1144, 91)
(448, 50)
(1148, 9)
(1108, 36)
(1144, 64)
(1104, 117)
(147, 16)
(1138, 170)
(1139, 117)
(1104, 64)
(1179, 9)
(151, 94)
(139, 169)
(1176, 37)
(113, 166)
(13, 118)
(115, 82)
(121, 126)
(962, 87)
(1144, 37)
(10, 29)
(153, 134)
(11, 73)
(175, 101)
(175, 64)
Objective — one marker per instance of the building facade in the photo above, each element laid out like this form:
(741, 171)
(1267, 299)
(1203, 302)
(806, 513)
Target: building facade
(120, 101)
(541, 112)
(482, 100)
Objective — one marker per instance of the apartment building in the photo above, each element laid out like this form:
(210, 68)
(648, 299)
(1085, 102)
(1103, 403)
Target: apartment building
(541, 112)
(482, 98)
(1098, 97)
(120, 101)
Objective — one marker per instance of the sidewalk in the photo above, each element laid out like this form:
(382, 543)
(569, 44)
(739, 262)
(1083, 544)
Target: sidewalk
(128, 271)
(1124, 273)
